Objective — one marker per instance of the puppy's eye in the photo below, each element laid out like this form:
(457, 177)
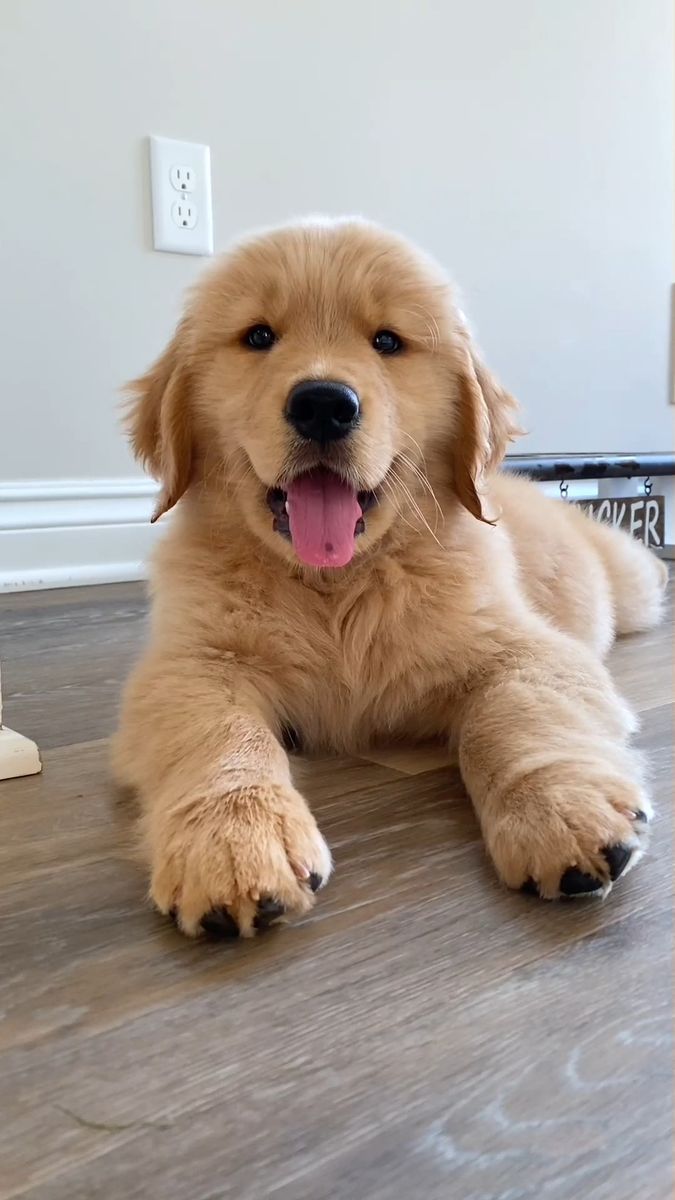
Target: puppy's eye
(260, 337)
(386, 342)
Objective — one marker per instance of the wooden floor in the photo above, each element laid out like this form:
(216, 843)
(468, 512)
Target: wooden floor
(423, 1036)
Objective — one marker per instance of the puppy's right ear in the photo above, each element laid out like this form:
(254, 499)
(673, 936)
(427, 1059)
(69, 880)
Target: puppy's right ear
(160, 423)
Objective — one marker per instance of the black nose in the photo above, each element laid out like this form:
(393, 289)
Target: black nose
(322, 410)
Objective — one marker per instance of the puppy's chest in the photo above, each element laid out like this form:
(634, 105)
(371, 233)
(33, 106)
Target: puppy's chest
(369, 662)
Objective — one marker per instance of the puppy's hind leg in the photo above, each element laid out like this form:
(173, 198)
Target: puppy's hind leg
(637, 577)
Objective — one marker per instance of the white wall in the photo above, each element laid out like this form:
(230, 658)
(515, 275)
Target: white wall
(527, 144)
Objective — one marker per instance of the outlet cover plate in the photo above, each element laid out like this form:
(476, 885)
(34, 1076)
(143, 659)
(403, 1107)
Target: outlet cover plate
(195, 237)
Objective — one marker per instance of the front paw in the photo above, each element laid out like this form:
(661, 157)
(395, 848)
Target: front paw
(567, 832)
(231, 864)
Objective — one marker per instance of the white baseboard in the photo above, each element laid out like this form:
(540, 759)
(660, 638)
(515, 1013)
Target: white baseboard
(61, 533)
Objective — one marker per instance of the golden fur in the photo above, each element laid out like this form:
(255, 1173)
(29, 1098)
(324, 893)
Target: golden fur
(475, 609)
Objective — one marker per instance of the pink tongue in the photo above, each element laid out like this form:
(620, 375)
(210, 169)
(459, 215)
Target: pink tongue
(322, 513)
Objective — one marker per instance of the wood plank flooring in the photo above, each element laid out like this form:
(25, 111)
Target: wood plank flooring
(423, 1034)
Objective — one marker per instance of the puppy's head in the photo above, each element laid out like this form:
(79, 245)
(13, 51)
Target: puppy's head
(318, 372)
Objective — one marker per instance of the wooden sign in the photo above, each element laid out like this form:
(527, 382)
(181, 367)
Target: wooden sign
(641, 516)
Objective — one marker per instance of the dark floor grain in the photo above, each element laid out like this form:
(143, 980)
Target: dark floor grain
(422, 1034)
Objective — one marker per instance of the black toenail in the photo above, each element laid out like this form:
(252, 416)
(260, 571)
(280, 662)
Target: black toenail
(173, 916)
(618, 858)
(530, 887)
(315, 881)
(577, 883)
(219, 923)
(268, 911)
(641, 816)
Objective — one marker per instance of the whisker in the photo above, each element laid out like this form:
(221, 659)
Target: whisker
(414, 505)
(396, 482)
(430, 322)
(235, 469)
(388, 486)
(424, 481)
(417, 447)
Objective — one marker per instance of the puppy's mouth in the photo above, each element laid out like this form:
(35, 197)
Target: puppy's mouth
(322, 515)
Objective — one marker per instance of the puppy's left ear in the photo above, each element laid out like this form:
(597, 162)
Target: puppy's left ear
(485, 423)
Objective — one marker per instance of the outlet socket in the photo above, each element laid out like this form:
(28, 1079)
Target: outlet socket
(184, 213)
(182, 224)
(182, 178)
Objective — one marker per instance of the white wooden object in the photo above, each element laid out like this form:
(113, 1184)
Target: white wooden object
(18, 755)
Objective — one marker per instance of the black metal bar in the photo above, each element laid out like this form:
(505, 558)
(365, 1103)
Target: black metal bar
(589, 466)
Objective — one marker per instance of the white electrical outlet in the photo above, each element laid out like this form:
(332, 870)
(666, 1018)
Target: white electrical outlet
(182, 224)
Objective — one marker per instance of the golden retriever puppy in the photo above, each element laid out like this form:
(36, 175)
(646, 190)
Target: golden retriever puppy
(345, 561)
